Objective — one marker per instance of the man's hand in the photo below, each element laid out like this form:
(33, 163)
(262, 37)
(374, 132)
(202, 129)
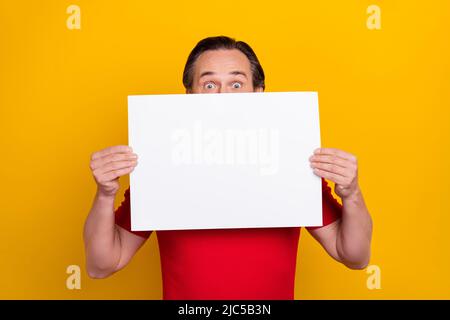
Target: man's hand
(108, 165)
(338, 166)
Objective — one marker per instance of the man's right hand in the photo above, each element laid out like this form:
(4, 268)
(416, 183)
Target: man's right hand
(108, 164)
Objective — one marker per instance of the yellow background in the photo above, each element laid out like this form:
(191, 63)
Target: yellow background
(384, 96)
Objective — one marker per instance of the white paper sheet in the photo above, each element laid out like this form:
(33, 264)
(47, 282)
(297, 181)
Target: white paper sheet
(235, 160)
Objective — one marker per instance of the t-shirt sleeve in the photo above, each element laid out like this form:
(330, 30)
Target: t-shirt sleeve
(331, 208)
(123, 216)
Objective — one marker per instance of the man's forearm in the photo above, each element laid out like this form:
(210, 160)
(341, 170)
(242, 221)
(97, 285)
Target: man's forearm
(355, 232)
(102, 241)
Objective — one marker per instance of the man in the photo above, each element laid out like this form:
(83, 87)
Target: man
(253, 263)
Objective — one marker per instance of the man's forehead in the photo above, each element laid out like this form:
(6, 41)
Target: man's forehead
(222, 61)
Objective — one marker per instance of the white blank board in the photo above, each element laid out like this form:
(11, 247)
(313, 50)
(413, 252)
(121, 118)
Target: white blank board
(214, 161)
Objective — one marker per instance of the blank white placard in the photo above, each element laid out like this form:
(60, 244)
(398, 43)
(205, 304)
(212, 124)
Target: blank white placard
(214, 161)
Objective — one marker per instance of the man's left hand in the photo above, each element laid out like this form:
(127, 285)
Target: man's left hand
(338, 166)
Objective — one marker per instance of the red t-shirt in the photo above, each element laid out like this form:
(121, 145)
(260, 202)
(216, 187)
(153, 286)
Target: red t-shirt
(248, 263)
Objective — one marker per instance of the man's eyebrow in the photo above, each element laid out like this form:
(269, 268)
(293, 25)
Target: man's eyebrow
(209, 73)
(237, 72)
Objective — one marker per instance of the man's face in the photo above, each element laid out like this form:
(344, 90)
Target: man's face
(222, 71)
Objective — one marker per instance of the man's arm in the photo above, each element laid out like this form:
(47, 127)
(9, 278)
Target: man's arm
(108, 247)
(347, 239)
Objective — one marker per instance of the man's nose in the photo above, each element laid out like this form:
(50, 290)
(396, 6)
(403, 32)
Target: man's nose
(223, 89)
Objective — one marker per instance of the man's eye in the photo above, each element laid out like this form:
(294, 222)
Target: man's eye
(210, 85)
(237, 85)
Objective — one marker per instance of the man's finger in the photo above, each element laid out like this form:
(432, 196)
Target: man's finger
(330, 168)
(332, 159)
(330, 176)
(116, 165)
(109, 150)
(336, 152)
(97, 163)
(117, 173)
